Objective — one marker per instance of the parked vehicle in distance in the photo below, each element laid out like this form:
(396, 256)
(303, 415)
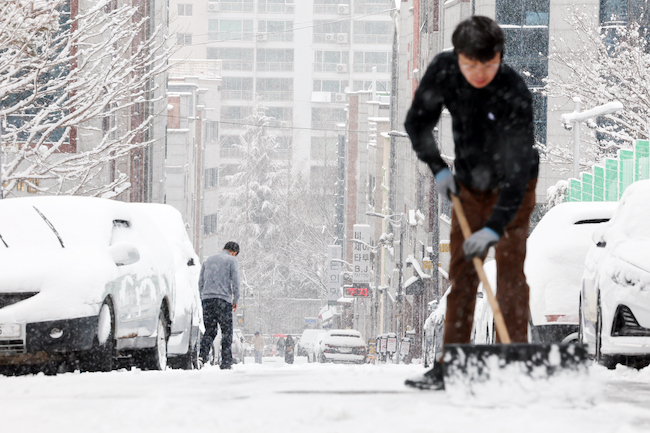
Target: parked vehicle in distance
(306, 343)
(88, 282)
(342, 345)
(237, 347)
(555, 261)
(434, 328)
(614, 302)
(483, 331)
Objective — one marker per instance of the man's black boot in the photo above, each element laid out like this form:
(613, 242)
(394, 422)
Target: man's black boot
(432, 379)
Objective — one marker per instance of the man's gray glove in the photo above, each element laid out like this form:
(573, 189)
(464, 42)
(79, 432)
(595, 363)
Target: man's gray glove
(478, 244)
(446, 183)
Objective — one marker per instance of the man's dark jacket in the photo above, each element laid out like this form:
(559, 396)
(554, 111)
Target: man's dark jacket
(493, 132)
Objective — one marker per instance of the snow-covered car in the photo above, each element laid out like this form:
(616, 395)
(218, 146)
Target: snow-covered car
(434, 328)
(237, 348)
(306, 343)
(615, 295)
(342, 345)
(555, 257)
(89, 282)
(483, 331)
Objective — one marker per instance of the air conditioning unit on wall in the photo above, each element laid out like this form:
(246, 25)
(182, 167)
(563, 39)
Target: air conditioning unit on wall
(339, 97)
(341, 38)
(213, 7)
(342, 67)
(261, 37)
(330, 37)
(343, 9)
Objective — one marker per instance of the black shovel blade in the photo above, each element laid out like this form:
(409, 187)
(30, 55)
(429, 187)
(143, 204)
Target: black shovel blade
(479, 363)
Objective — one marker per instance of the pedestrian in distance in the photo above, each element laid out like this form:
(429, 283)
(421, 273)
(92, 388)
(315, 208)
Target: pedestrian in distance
(494, 172)
(258, 347)
(289, 345)
(219, 289)
(280, 345)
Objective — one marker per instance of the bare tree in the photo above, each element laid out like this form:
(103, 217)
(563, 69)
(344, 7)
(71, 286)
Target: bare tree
(603, 65)
(68, 84)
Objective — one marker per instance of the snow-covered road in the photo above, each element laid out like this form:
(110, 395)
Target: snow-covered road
(276, 397)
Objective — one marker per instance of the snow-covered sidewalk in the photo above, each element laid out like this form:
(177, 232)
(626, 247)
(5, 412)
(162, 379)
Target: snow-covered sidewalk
(276, 397)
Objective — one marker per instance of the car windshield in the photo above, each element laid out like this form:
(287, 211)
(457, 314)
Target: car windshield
(52, 224)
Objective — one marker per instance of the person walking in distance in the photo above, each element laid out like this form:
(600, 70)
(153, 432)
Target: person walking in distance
(258, 347)
(495, 173)
(219, 289)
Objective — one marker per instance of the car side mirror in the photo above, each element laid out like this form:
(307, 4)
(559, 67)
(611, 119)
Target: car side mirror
(124, 253)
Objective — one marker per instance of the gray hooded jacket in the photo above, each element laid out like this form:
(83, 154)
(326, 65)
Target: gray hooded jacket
(220, 278)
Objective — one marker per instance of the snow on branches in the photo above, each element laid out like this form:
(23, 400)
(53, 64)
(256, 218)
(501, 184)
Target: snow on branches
(602, 65)
(70, 85)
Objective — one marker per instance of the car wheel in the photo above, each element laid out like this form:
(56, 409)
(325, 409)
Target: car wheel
(581, 332)
(100, 356)
(601, 359)
(156, 357)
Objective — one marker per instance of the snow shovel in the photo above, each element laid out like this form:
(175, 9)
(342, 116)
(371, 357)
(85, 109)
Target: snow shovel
(471, 363)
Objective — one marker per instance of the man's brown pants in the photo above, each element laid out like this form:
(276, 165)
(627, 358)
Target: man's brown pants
(512, 293)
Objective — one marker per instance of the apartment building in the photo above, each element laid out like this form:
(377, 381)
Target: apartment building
(299, 59)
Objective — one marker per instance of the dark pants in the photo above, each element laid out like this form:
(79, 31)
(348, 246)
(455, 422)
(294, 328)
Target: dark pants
(512, 293)
(217, 313)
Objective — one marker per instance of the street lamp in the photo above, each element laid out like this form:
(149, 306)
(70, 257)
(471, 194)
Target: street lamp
(572, 121)
(399, 266)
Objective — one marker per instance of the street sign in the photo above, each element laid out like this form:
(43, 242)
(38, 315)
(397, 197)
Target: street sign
(358, 291)
(361, 254)
(334, 269)
(311, 320)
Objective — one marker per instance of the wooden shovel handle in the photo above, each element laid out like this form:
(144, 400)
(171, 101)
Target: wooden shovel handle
(502, 331)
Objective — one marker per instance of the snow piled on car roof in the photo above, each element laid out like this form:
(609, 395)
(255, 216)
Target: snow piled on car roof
(70, 274)
(555, 256)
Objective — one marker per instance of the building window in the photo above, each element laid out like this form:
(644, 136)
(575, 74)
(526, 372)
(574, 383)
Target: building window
(372, 6)
(382, 86)
(230, 30)
(332, 31)
(324, 149)
(275, 89)
(279, 115)
(365, 61)
(336, 86)
(183, 38)
(211, 177)
(275, 31)
(184, 10)
(233, 59)
(373, 32)
(209, 224)
(236, 6)
(276, 6)
(211, 130)
(234, 117)
(274, 60)
(525, 25)
(331, 7)
(329, 61)
(226, 172)
(237, 88)
(228, 147)
(326, 118)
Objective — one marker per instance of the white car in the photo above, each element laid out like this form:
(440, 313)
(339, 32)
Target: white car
(555, 257)
(342, 345)
(91, 282)
(434, 328)
(306, 343)
(615, 297)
